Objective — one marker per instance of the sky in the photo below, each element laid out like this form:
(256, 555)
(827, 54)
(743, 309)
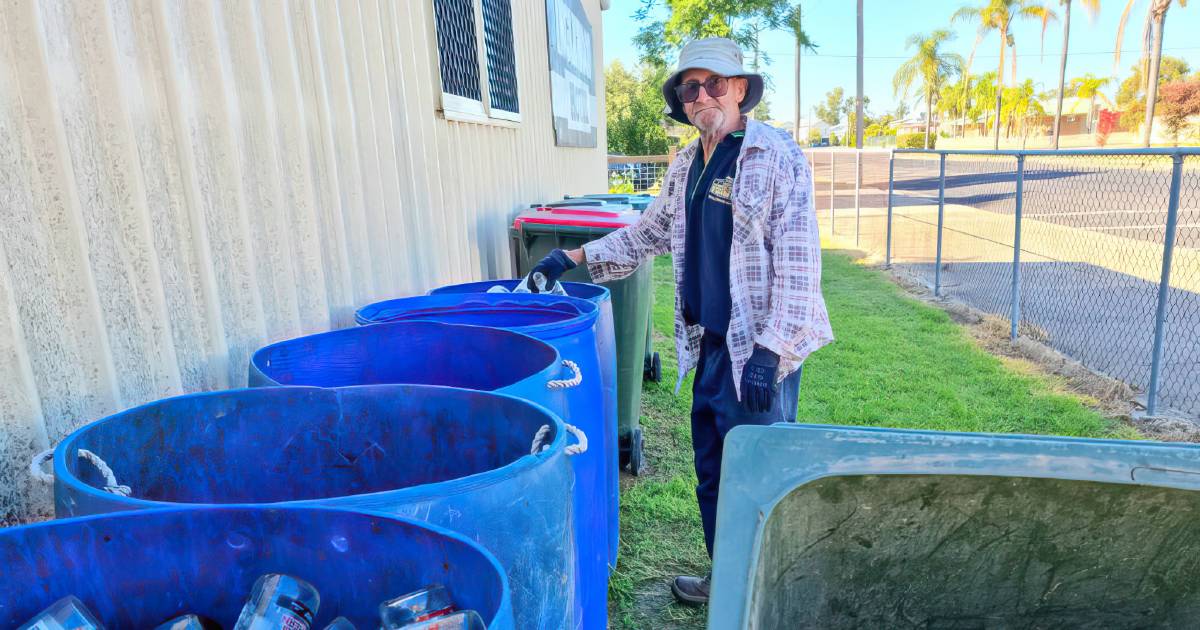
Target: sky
(888, 23)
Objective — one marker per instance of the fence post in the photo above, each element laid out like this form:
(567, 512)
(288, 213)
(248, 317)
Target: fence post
(937, 268)
(887, 248)
(1014, 315)
(832, 189)
(1164, 284)
(857, 192)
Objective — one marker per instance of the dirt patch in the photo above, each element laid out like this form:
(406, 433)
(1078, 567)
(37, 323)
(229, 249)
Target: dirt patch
(1029, 353)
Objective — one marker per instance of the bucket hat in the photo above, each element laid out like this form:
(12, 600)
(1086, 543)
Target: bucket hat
(715, 54)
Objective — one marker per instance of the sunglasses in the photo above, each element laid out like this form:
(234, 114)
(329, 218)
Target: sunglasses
(716, 86)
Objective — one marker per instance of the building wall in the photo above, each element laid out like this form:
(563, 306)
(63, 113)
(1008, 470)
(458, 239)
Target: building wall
(182, 182)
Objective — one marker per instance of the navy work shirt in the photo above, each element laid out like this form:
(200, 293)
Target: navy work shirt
(709, 235)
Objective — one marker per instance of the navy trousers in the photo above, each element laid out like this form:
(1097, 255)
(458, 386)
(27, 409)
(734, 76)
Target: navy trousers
(716, 410)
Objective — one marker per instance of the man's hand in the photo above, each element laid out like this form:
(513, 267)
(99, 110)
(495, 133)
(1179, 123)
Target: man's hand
(552, 267)
(758, 380)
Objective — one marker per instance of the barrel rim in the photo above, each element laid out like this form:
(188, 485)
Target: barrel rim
(503, 607)
(522, 464)
(603, 294)
(588, 312)
(258, 357)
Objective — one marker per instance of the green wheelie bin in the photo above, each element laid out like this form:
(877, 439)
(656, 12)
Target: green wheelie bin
(652, 369)
(534, 234)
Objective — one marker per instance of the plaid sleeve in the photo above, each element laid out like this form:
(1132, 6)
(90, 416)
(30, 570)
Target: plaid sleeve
(619, 254)
(797, 323)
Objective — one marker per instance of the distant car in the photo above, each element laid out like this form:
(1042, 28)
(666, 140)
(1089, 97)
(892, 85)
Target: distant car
(823, 143)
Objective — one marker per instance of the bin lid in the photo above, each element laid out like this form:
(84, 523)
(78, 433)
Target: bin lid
(586, 216)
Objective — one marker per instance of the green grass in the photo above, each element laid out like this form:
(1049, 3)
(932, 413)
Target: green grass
(896, 363)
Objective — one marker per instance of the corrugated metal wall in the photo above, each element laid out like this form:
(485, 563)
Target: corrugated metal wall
(184, 181)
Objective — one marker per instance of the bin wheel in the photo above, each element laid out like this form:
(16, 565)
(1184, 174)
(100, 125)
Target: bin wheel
(653, 369)
(635, 452)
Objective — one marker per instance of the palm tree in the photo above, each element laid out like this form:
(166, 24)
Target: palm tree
(1093, 9)
(997, 15)
(803, 42)
(1088, 86)
(983, 96)
(929, 64)
(1152, 36)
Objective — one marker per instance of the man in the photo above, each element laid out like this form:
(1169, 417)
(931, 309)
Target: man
(736, 212)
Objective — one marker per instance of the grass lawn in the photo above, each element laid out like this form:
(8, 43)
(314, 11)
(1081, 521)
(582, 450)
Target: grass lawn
(896, 363)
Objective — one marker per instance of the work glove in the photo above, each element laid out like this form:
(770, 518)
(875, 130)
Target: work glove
(758, 380)
(552, 268)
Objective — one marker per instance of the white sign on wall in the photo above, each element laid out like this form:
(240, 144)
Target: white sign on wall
(572, 74)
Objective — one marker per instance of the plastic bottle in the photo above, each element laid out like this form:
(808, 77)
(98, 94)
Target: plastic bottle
(279, 602)
(427, 603)
(67, 613)
(341, 623)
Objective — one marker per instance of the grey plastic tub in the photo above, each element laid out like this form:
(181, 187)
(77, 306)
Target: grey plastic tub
(835, 527)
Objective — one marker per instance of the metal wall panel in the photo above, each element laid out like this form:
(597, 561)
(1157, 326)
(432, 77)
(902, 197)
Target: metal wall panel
(182, 182)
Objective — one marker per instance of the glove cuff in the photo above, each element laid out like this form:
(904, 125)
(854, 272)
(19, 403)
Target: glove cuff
(763, 356)
(563, 259)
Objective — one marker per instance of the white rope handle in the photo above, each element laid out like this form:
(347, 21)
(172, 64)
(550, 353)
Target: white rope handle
(36, 466)
(110, 479)
(541, 443)
(568, 383)
(581, 447)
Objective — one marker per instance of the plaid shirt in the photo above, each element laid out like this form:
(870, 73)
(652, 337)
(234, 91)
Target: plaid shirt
(774, 261)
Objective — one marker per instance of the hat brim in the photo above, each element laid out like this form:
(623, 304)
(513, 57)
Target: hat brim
(754, 93)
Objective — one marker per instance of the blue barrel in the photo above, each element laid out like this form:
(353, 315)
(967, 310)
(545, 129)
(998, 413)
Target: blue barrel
(568, 324)
(417, 353)
(137, 570)
(451, 457)
(607, 346)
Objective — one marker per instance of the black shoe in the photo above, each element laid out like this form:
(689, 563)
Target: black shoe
(690, 590)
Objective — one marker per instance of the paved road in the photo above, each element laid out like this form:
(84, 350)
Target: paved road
(1115, 196)
(1101, 317)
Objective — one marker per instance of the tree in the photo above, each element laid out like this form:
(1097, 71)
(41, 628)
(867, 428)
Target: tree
(634, 110)
(997, 15)
(1019, 105)
(1152, 36)
(741, 20)
(983, 97)
(1131, 93)
(1088, 86)
(852, 120)
(881, 126)
(803, 42)
(762, 111)
(931, 65)
(1180, 99)
(954, 100)
(835, 106)
(1093, 9)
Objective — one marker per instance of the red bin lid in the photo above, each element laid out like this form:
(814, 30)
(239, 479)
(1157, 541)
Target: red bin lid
(582, 216)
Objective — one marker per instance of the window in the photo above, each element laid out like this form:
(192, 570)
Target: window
(501, 59)
(461, 25)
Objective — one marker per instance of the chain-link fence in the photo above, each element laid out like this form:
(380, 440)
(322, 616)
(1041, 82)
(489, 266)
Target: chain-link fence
(1079, 238)
(851, 190)
(637, 174)
(1071, 245)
